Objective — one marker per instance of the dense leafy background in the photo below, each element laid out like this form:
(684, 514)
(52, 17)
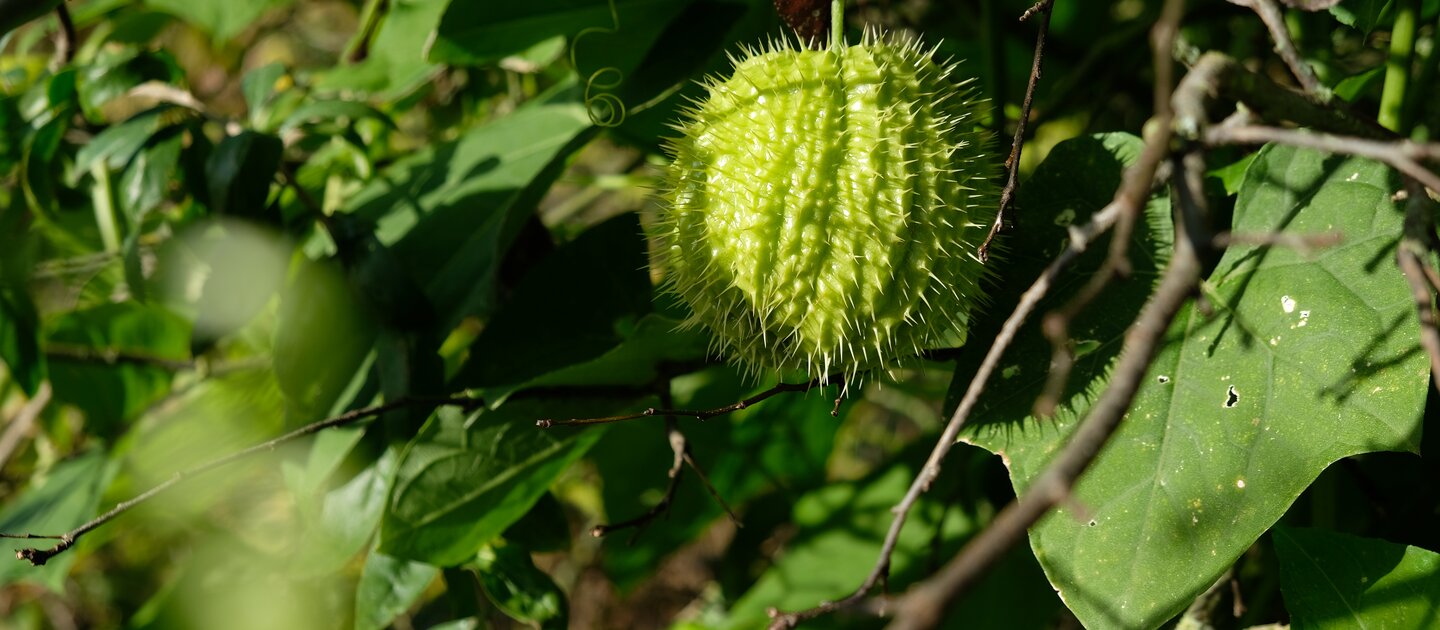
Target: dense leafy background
(226, 219)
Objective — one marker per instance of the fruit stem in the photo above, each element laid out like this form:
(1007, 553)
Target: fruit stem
(837, 24)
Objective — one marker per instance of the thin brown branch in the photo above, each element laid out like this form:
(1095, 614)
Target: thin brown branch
(923, 605)
(1402, 155)
(1305, 244)
(1012, 163)
(1274, 19)
(39, 557)
(697, 414)
(1411, 256)
(67, 41)
(681, 457)
(24, 421)
(1217, 78)
(710, 487)
(678, 447)
(112, 356)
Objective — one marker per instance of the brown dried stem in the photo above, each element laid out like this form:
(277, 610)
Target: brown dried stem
(1402, 155)
(1012, 163)
(697, 414)
(1274, 19)
(39, 557)
(1411, 256)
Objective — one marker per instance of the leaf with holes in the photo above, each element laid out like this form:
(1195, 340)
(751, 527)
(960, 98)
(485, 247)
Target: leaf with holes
(1303, 361)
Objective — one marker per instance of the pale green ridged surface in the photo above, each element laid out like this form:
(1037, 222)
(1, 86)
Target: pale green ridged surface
(824, 209)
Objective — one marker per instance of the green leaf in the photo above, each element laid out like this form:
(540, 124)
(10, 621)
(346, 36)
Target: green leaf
(339, 523)
(1334, 580)
(20, 339)
(116, 72)
(450, 212)
(388, 587)
(473, 33)
(568, 309)
(396, 61)
(258, 86)
(1303, 362)
(40, 163)
(1233, 174)
(223, 19)
(465, 479)
(118, 144)
(15, 13)
(112, 360)
(55, 503)
(1363, 15)
(322, 336)
(655, 340)
(331, 110)
(240, 172)
(525, 593)
(145, 183)
(839, 529)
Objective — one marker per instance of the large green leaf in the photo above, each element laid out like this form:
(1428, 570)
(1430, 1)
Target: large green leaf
(450, 212)
(53, 504)
(569, 309)
(1303, 361)
(396, 62)
(466, 478)
(511, 581)
(841, 526)
(388, 587)
(482, 32)
(223, 19)
(1334, 580)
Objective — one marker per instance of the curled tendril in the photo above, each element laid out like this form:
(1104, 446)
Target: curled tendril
(604, 107)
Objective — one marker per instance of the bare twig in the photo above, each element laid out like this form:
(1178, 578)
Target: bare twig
(678, 447)
(112, 356)
(1274, 20)
(1411, 256)
(39, 557)
(1012, 163)
(1402, 155)
(698, 414)
(923, 605)
(1305, 244)
(1216, 77)
(22, 423)
(67, 41)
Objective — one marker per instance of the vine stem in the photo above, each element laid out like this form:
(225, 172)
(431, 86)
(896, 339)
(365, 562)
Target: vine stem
(1397, 67)
(837, 24)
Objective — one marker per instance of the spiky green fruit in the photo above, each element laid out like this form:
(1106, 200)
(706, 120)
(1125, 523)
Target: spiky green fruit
(825, 207)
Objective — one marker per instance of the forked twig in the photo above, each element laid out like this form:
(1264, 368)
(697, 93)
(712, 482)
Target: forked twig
(39, 557)
(697, 414)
